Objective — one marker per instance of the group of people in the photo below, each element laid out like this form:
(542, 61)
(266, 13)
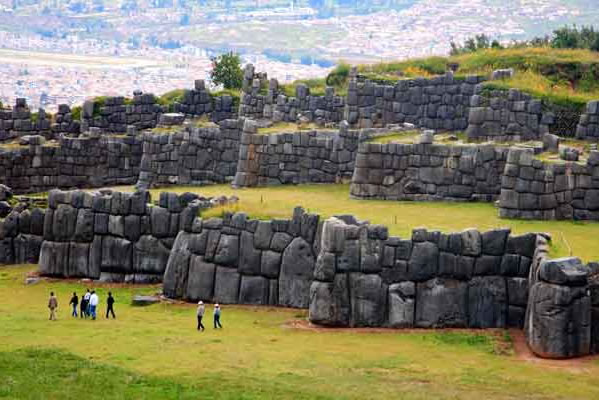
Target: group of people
(88, 305)
(202, 310)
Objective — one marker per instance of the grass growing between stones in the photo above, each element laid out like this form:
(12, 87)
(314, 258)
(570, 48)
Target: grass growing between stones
(155, 353)
(569, 237)
(289, 127)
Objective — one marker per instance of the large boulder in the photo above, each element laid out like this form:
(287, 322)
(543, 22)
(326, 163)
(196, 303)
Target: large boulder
(297, 271)
(253, 290)
(559, 320)
(329, 302)
(441, 303)
(401, 304)
(568, 271)
(177, 267)
(150, 256)
(226, 285)
(487, 302)
(200, 280)
(367, 298)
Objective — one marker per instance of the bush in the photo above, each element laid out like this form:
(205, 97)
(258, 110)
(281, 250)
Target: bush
(338, 76)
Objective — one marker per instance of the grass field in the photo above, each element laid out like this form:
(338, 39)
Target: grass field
(575, 237)
(156, 353)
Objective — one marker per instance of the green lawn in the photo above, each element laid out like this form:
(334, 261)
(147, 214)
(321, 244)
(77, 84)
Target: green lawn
(156, 353)
(400, 217)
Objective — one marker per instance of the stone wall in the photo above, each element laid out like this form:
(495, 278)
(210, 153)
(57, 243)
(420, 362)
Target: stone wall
(112, 236)
(441, 102)
(19, 121)
(112, 114)
(242, 261)
(363, 277)
(304, 157)
(507, 116)
(561, 318)
(193, 156)
(259, 102)
(83, 162)
(21, 236)
(394, 171)
(588, 127)
(199, 101)
(532, 189)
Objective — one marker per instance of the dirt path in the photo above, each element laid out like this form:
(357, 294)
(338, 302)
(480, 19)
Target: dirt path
(521, 352)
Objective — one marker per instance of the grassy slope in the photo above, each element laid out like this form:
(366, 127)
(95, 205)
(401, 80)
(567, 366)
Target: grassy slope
(400, 217)
(155, 353)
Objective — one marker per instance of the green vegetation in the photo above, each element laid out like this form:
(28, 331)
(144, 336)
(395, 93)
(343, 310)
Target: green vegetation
(76, 113)
(227, 71)
(170, 98)
(289, 127)
(155, 352)
(562, 76)
(234, 93)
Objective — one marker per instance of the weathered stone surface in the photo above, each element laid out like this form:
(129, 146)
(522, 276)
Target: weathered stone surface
(150, 256)
(200, 280)
(54, 257)
(142, 301)
(250, 257)
(423, 261)
(441, 303)
(367, 299)
(487, 302)
(559, 324)
(567, 271)
(177, 267)
(253, 290)
(226, 285)
(227, 252)
(297, 271)
(401, 304)
(329, 302)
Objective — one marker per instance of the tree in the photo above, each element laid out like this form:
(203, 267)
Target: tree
(226, 70)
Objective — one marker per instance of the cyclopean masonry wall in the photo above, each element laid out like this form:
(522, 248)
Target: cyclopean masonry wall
(507, 116)
(193, 156)
(199, 101)
(302, 157)
(74, 163)
(113, 115)
(532, 189)
(21, 236)
(588, 127)
(112, 236)
(363, 277)
(394, 171)
(19, 121)
(238, 260)
(441, 102)
(273, 104)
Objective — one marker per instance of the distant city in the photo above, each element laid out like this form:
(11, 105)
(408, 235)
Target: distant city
(64, 51)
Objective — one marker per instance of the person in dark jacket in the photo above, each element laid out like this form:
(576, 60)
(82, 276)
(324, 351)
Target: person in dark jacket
(110, 305)
(84, 304)
(74, 302)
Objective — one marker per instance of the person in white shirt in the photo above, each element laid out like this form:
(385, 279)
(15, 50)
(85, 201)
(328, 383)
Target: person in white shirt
(200, 313)
(93, 304)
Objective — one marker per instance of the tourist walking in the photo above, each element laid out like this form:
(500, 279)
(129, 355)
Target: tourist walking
(110, 305)
(217, 317)
(85, 304)
(74, 302)
(52, 305)
(93, 304)
(200, 314)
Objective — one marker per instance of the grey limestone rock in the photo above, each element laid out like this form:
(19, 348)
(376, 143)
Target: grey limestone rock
(441, 303)
(401, 304)
(297, 271)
